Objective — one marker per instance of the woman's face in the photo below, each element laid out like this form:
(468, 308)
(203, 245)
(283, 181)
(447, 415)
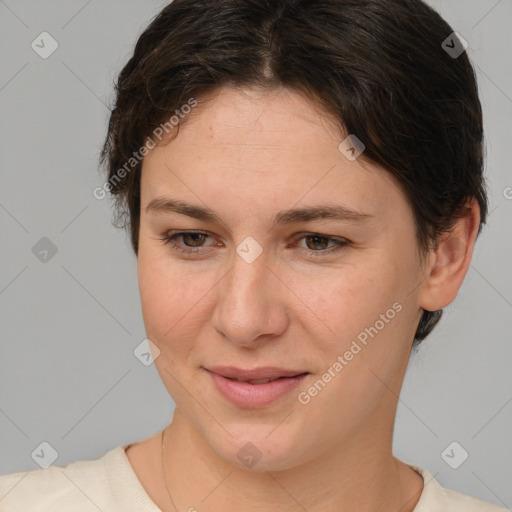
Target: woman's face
(332, 297)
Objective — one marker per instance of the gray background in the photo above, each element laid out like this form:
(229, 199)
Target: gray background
(69, 326)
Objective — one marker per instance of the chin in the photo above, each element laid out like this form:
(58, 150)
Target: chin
(257, 450)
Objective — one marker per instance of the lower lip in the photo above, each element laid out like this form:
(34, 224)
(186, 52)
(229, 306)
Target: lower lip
(252, 396)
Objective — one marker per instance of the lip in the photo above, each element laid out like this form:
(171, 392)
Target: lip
(252, 396)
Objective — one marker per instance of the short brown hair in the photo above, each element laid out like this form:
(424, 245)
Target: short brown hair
(378, 66)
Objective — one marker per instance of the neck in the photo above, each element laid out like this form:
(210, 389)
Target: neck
(359, 475)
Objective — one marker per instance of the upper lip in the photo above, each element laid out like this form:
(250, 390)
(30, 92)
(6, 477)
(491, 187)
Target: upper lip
(267, 372)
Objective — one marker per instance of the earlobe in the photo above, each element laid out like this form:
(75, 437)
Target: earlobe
(450, 261)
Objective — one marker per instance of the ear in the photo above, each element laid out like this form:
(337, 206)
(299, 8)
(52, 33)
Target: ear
(449, 262)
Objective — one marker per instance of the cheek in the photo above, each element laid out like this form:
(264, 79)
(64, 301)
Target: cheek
(367, 316)
(174, 302)
(367, 341)
(351, 298)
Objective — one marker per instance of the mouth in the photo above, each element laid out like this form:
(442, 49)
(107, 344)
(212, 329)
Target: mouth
(257, 381)
(260, 375)
(255, 388)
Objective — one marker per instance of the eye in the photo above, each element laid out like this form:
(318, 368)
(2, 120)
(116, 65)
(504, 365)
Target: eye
(193, 242)
(194, 238)
(322, 241)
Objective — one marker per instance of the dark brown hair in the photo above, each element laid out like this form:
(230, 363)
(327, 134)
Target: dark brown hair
(377, 66)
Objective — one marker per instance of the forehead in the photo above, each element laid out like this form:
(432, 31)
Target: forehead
(248, 117)
(252, 150)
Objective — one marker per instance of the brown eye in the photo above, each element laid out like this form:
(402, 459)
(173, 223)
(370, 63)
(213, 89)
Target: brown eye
(193, 241)
(318, 245)
(317, 240)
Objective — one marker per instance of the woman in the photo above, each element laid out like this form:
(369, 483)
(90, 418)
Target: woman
(302, 181)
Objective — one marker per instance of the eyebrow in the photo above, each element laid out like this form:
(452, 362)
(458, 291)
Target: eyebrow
(162, 205)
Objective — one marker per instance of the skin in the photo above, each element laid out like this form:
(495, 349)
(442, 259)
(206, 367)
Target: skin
(247, 155)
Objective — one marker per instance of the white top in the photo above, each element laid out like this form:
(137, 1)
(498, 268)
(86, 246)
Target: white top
(109, 484)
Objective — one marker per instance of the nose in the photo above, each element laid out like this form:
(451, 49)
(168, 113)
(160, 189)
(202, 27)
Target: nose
(251, 303)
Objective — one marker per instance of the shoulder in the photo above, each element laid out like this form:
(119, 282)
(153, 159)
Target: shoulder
(436, 498)
(80, 486)
(456, 501)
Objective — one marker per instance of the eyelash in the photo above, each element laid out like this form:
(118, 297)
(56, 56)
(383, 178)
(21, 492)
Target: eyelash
(169, 239)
